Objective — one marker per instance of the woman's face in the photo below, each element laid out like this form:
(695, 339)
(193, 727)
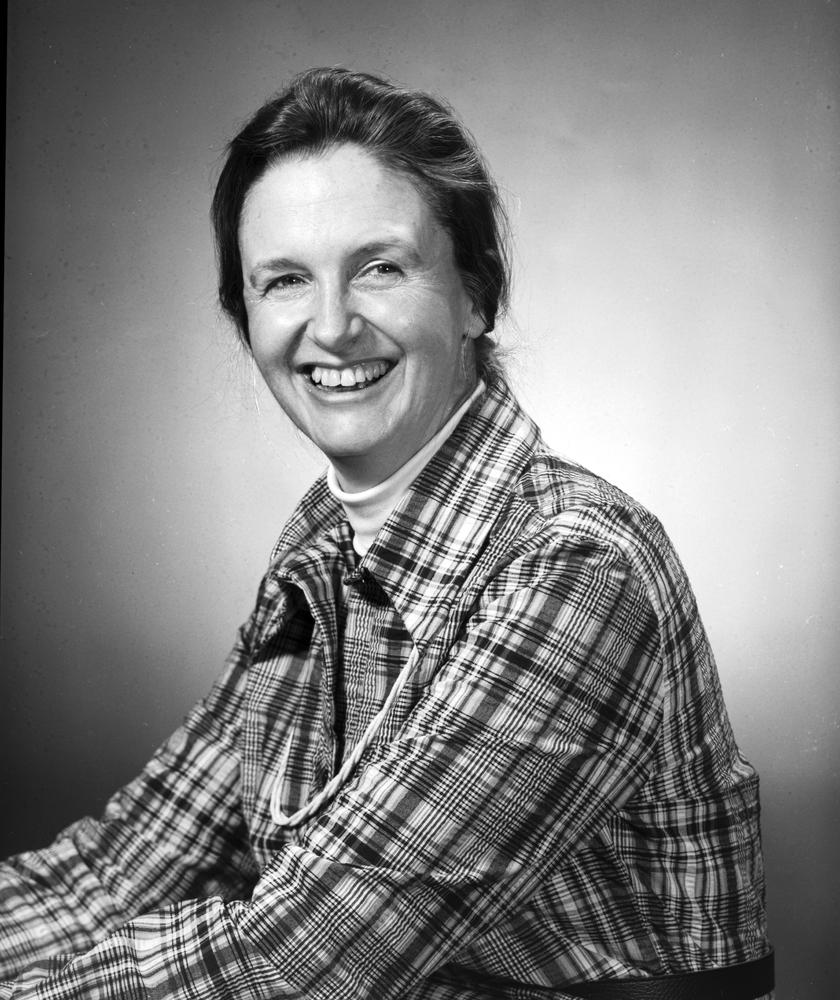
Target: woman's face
(356, 311)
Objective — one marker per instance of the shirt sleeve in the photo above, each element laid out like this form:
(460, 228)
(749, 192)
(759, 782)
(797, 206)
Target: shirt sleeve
(539, 724)
(174, 832)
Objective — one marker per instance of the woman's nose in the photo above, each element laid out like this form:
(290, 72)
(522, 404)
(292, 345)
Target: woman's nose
(334, 323)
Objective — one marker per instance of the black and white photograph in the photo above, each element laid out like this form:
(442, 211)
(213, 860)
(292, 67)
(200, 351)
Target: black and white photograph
(420, 473)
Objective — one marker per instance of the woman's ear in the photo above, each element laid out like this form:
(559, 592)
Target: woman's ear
(475, 324)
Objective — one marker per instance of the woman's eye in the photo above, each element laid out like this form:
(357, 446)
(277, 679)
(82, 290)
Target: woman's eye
(381, 271)
(284, 284)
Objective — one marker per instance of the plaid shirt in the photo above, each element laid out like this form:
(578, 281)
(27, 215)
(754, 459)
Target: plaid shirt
(555, 796)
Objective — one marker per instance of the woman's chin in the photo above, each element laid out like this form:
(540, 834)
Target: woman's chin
(350, 440)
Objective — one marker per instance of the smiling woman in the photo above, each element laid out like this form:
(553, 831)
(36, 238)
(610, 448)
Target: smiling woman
(471, 742)
(358, 318)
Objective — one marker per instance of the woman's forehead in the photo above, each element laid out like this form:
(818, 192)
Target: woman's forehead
(344, 194)
(340, 174)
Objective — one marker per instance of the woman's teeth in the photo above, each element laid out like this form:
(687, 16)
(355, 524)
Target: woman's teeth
(348, 378)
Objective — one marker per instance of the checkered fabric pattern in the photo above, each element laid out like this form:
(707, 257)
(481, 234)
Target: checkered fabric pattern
(556, 796)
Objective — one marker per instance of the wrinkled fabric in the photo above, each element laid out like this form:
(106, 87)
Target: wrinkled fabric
(556, 795)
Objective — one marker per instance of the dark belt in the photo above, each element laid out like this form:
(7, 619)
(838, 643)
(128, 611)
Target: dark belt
(747, 981)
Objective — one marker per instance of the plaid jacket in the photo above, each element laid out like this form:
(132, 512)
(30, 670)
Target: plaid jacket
(555, 796)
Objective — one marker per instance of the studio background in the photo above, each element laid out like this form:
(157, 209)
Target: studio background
(671, 171)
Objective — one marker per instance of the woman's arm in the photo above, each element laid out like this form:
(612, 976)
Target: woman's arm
(537, 727)
(173, 833)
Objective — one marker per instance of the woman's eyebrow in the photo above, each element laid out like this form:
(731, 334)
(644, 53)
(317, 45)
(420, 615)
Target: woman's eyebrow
(376, 247)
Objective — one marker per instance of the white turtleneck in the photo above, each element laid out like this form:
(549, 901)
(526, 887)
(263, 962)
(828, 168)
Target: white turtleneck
(368, 509)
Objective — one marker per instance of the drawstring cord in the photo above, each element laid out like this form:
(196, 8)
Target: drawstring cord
(334, 784)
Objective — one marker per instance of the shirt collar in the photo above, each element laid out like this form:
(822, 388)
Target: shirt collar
(431, 540)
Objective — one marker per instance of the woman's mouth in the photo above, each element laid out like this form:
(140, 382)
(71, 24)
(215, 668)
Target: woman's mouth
(348, 379)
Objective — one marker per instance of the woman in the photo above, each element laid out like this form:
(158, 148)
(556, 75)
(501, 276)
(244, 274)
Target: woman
(471, 742)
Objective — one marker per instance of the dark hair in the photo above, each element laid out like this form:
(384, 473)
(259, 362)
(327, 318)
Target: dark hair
(408, 131)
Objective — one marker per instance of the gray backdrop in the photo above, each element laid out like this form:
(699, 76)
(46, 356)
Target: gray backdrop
(671, 170)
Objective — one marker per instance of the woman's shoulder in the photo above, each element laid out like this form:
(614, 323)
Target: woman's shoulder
(561, 492)
(553, 485)
(572, 512)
